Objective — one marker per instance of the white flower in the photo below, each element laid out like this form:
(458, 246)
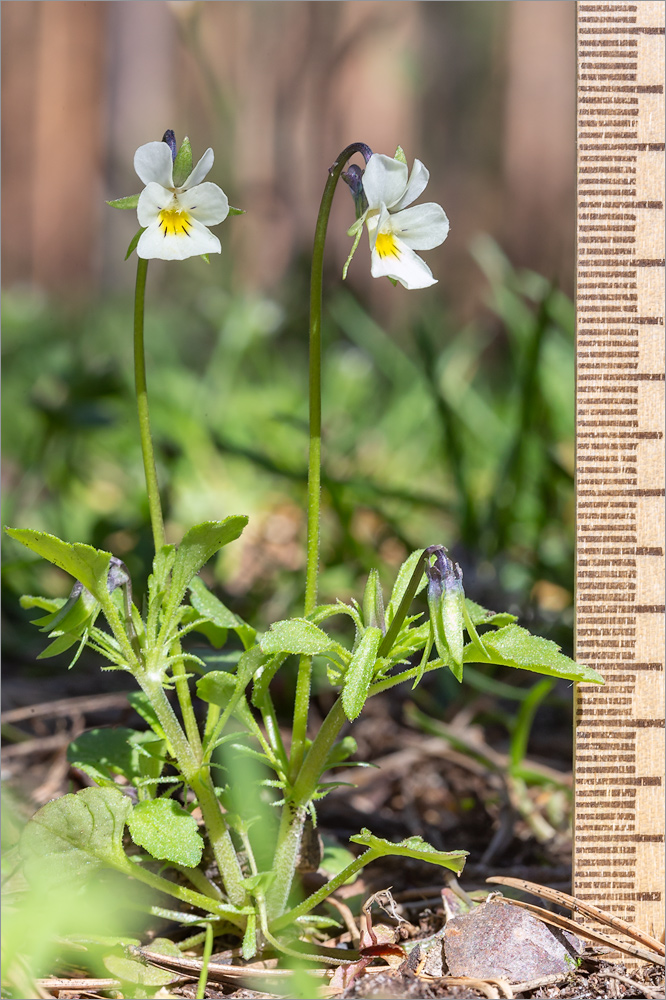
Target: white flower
(396, 231)
(176, 218)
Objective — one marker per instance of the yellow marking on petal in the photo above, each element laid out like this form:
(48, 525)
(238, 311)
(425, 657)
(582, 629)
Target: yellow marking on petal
(386, 245)
(174, 222)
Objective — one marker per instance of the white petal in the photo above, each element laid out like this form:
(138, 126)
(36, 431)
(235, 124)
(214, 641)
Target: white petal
(153, 162)
(154, 244)
(416, 185)
(407, 268)
(206, 202)
(152, 200)
(421, 227)
(384, 180)
(200, 171)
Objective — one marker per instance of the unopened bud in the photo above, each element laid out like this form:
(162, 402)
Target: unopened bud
(170, 139)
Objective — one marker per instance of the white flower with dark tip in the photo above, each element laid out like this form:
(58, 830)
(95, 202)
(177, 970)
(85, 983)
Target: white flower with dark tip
(396, 231)
(176, 218)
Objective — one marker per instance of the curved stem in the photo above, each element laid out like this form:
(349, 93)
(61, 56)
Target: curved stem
(302, 699)
(156, 519)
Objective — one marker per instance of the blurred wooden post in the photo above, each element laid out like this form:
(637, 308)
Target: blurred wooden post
(539, 137)
(53, 68)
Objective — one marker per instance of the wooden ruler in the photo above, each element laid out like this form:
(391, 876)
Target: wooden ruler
(619, 743)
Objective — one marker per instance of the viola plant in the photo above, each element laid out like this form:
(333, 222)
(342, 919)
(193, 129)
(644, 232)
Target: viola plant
(181, 788)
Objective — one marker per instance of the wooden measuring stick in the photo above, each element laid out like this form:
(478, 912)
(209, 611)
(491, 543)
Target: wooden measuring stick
(619, 737)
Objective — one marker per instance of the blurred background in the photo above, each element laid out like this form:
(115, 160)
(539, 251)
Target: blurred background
(448, 412)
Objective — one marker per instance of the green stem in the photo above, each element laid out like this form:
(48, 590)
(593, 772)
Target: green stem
(220, 838)
(182, 893)
(156, 519)
(309, 774)
(152, 487)
(302, 698)
(321, 894)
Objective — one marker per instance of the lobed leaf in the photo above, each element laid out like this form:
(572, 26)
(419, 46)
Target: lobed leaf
(513, 646)
(167, 831)
(412, 847)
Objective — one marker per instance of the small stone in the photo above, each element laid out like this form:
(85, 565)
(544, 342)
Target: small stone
(497, 939)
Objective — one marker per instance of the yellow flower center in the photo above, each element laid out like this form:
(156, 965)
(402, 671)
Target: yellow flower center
(174, 222)
(386, 245)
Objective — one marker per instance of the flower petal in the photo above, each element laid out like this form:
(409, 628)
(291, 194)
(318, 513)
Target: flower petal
(200, 171)
(206, 202)
(154, 244)
(421, 227)
(384, 180)
(416, 185)
(153, 162)
(152, 200)
(406, 267)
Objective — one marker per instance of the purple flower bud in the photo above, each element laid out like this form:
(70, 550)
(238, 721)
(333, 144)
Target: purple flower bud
(354, 178)
(170, 139)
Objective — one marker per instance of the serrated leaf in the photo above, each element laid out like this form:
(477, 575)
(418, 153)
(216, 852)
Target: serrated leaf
(360, 672)
(87, 565)
(296, 635)
(412, 847)
(514, 646)
(134, 242)
(481, 616)
(131, 201)
(199, 545)
(167, 831)
(74, 836)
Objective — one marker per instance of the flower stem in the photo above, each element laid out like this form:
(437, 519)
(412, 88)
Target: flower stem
(302, 699)
(156, 519)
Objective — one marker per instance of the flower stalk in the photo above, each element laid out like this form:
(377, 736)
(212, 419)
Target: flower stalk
(302, 699)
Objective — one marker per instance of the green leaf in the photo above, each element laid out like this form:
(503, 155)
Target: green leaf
(357, 239)
(412, 847)
(141, 704)
(210, 607)
(134, 242)
(400, 155)
(103, 753)
(401, 582)
(216, 636)
(167, 831)
(373, 601)
(296, 635)
(71, 616)
(199, 545)
(182, 165)
(50, 604)
(131, 201)
(481, 616)
(87, 565)
(74, 836)
(513, 646)
(360, 672)
(236, 211)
